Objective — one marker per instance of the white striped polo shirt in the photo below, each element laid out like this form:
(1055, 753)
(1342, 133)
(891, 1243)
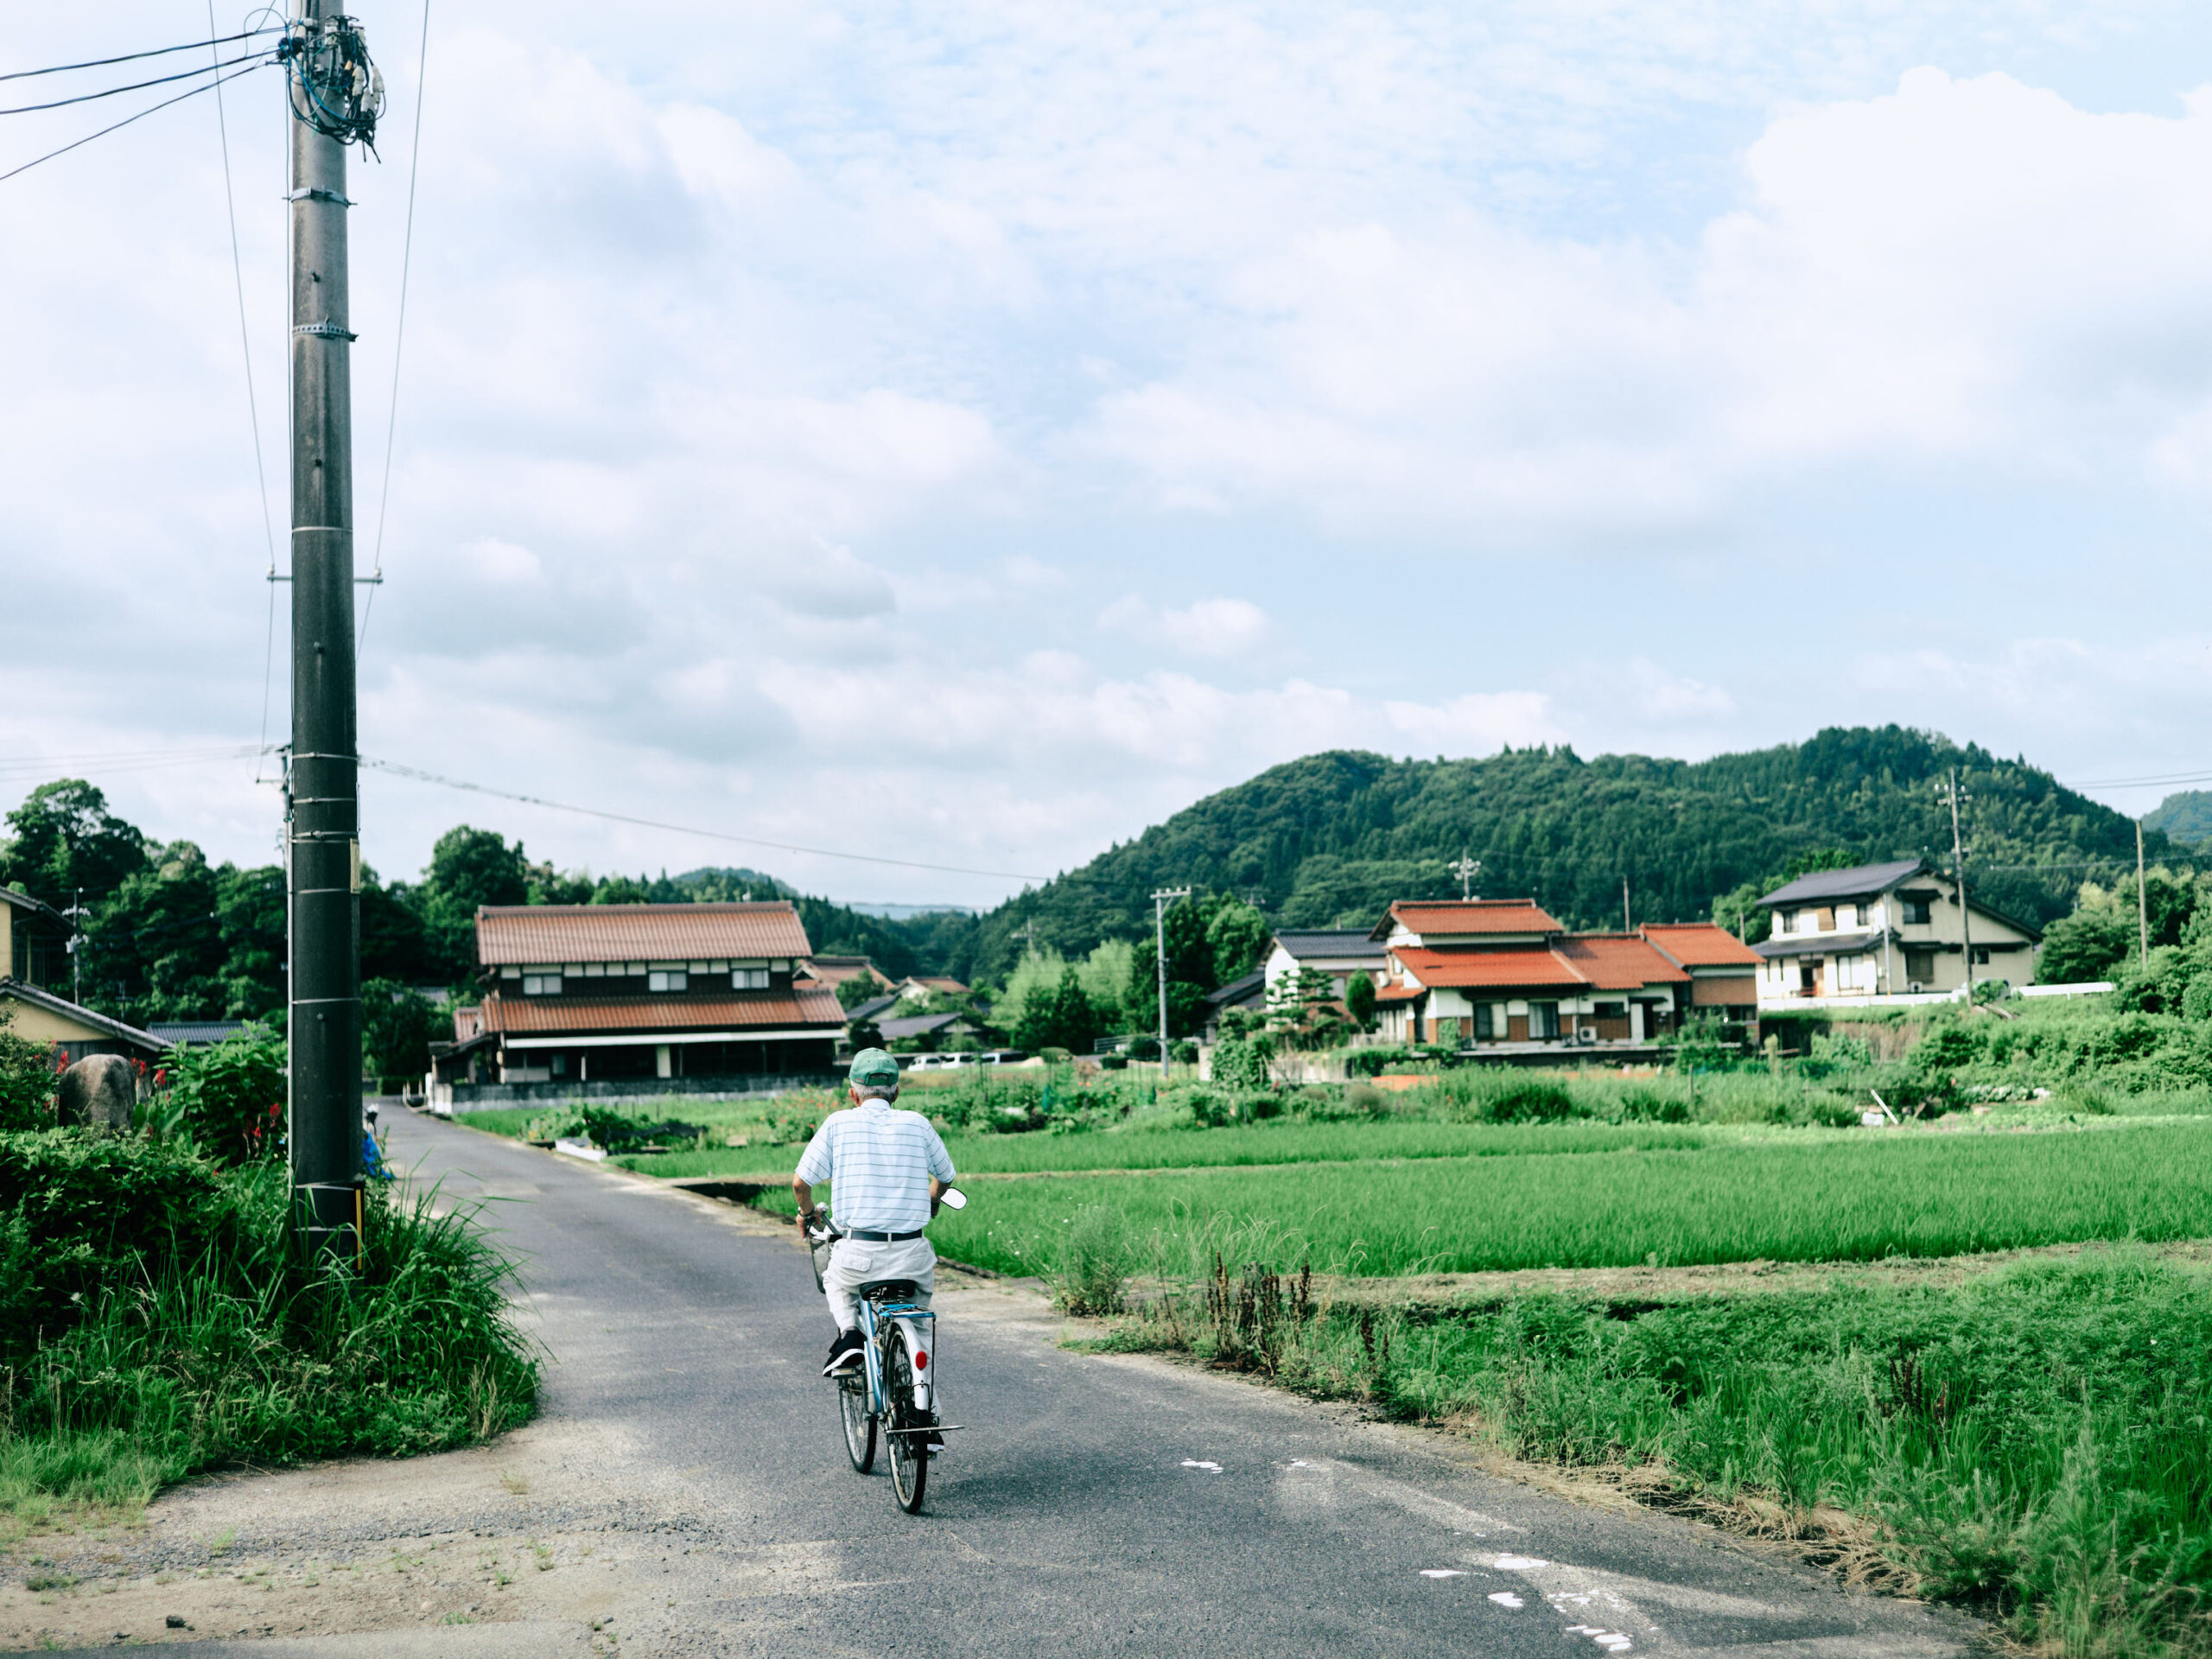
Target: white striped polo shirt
(878, 1161)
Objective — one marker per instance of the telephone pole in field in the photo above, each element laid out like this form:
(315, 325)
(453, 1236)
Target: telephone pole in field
(1160, 900)
(1959, 870)
(336, 94)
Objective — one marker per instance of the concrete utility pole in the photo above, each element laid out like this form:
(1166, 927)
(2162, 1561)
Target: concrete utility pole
(1628, 922)
(1467, 870)
(1958, 869)
(2142, 904)
(336, 94)
(1160, 900)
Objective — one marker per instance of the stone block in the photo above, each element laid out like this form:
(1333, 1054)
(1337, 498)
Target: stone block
(98, 1092)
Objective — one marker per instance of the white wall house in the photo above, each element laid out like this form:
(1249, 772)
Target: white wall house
(1885, 930)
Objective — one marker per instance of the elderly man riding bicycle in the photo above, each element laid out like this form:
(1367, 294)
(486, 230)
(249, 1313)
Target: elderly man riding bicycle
(887, 1169)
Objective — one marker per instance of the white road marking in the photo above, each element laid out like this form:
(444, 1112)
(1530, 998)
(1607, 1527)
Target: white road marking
(1192, 1463)
(1517, 1563)
(1507, 1599)
(1442, 1572)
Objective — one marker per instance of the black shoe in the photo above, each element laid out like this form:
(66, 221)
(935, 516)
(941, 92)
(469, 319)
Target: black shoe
(844, 1355)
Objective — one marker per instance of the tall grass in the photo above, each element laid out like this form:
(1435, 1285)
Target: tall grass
(2033, 1443)
(1833, 1200)
(228, 1351)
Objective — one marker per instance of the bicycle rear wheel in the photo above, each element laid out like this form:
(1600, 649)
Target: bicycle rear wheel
(910, 1452)
(859, 1421)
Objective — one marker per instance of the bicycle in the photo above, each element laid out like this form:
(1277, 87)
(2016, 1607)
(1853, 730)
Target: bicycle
(895, 1391)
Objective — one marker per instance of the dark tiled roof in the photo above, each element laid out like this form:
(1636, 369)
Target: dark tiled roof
(1238, 990)
(1333, 943)
(195, 1031)
(1817, 944)
(62, 1005)
(920, 1025)
(1861, 880)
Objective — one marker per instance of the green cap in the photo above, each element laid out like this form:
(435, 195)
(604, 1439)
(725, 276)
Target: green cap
(873, 1065)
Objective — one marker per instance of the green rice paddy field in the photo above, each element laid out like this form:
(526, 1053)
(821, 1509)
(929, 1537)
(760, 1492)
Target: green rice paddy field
(1805, 1198)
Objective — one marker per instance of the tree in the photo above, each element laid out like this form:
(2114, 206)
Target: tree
(1238, 936)
(65, 839)
(1060, 1017)
(398, 1024)
(28, 1072)
(1190, 966)
(860, 987)
(1359, 1001)
(468, 867)
(2086, 946)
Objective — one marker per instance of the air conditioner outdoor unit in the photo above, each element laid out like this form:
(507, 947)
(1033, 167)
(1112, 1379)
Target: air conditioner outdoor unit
(1586, 1034)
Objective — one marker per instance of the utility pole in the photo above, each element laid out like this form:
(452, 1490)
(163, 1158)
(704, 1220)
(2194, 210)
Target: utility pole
(2142, 904)
(1160, 900)
(1628, 922)
(1467, 870)
(335, 95)
(77, 956)
(1959, 870)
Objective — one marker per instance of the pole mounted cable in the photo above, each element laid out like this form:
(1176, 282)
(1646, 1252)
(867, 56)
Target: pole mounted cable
(335, 88)
(135, 86)
(133, 57)
(118, 126)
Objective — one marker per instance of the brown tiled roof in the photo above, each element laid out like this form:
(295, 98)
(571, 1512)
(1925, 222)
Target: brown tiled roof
(949, 987)
(466, 1023)
(527, 933)
(1399, 993)
(1511, 966)
(552, 1015)
(1451, 918)
(835, 971)
(1700, 945)
(1618, 962)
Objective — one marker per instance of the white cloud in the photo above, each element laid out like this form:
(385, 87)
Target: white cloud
(1206, 627)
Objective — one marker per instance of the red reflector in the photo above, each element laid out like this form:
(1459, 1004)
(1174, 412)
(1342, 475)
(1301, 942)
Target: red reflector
(921, 1359)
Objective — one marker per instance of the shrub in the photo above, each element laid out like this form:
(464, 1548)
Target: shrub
(229, 1096)
(1242, 1062)
(1184, 1052)
(1374, 1062)
(1094, 1261)
(28, 1072)
(1650, 1106)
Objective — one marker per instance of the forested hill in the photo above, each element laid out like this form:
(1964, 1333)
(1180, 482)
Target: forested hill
(1332, 838)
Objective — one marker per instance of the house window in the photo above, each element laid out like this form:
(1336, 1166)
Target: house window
(1981, 956)
(541, 984)
(748, 979)
(1484, 1030)
(1609, 1011)
(1846, 916)
(670, 979)
(1920, 966)
(1543, 1021)
(1917, 910)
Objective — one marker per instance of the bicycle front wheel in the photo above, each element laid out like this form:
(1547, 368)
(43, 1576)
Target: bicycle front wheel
(910, 1451)
(859, 1421)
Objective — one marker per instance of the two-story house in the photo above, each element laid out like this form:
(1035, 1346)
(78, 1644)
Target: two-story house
(1487, 971)
(1885, 930)
(1339, 952)
(615, 993)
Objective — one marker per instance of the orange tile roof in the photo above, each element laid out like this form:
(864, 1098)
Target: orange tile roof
(1399, 993)
(1618, 961)
(526, 934)
(1458, 917)
(551, 1015)
(1508, 966)
(1700, 945)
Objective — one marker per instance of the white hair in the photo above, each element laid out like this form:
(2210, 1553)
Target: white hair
(876, 1090)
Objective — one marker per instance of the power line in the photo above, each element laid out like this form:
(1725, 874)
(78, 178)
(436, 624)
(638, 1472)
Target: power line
(421, 775)
(133, 57)
(399, 334)
(128, 119)
(135, 86)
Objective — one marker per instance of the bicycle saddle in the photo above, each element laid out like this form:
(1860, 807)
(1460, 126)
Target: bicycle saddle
(890, 1290)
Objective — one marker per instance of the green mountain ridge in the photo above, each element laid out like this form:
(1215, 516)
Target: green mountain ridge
(1332, 838)
(2185, 817)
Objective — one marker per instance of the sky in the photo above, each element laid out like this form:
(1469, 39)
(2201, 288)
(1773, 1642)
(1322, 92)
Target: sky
(966, 435)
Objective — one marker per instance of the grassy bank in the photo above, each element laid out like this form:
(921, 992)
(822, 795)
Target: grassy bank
(1830, 1200)
(157, 1323)
(2033, 1443)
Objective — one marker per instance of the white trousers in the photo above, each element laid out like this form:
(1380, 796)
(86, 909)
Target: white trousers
(856, 1261)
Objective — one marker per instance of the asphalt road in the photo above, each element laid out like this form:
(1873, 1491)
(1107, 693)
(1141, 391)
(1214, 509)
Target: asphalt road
(688, 1454)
